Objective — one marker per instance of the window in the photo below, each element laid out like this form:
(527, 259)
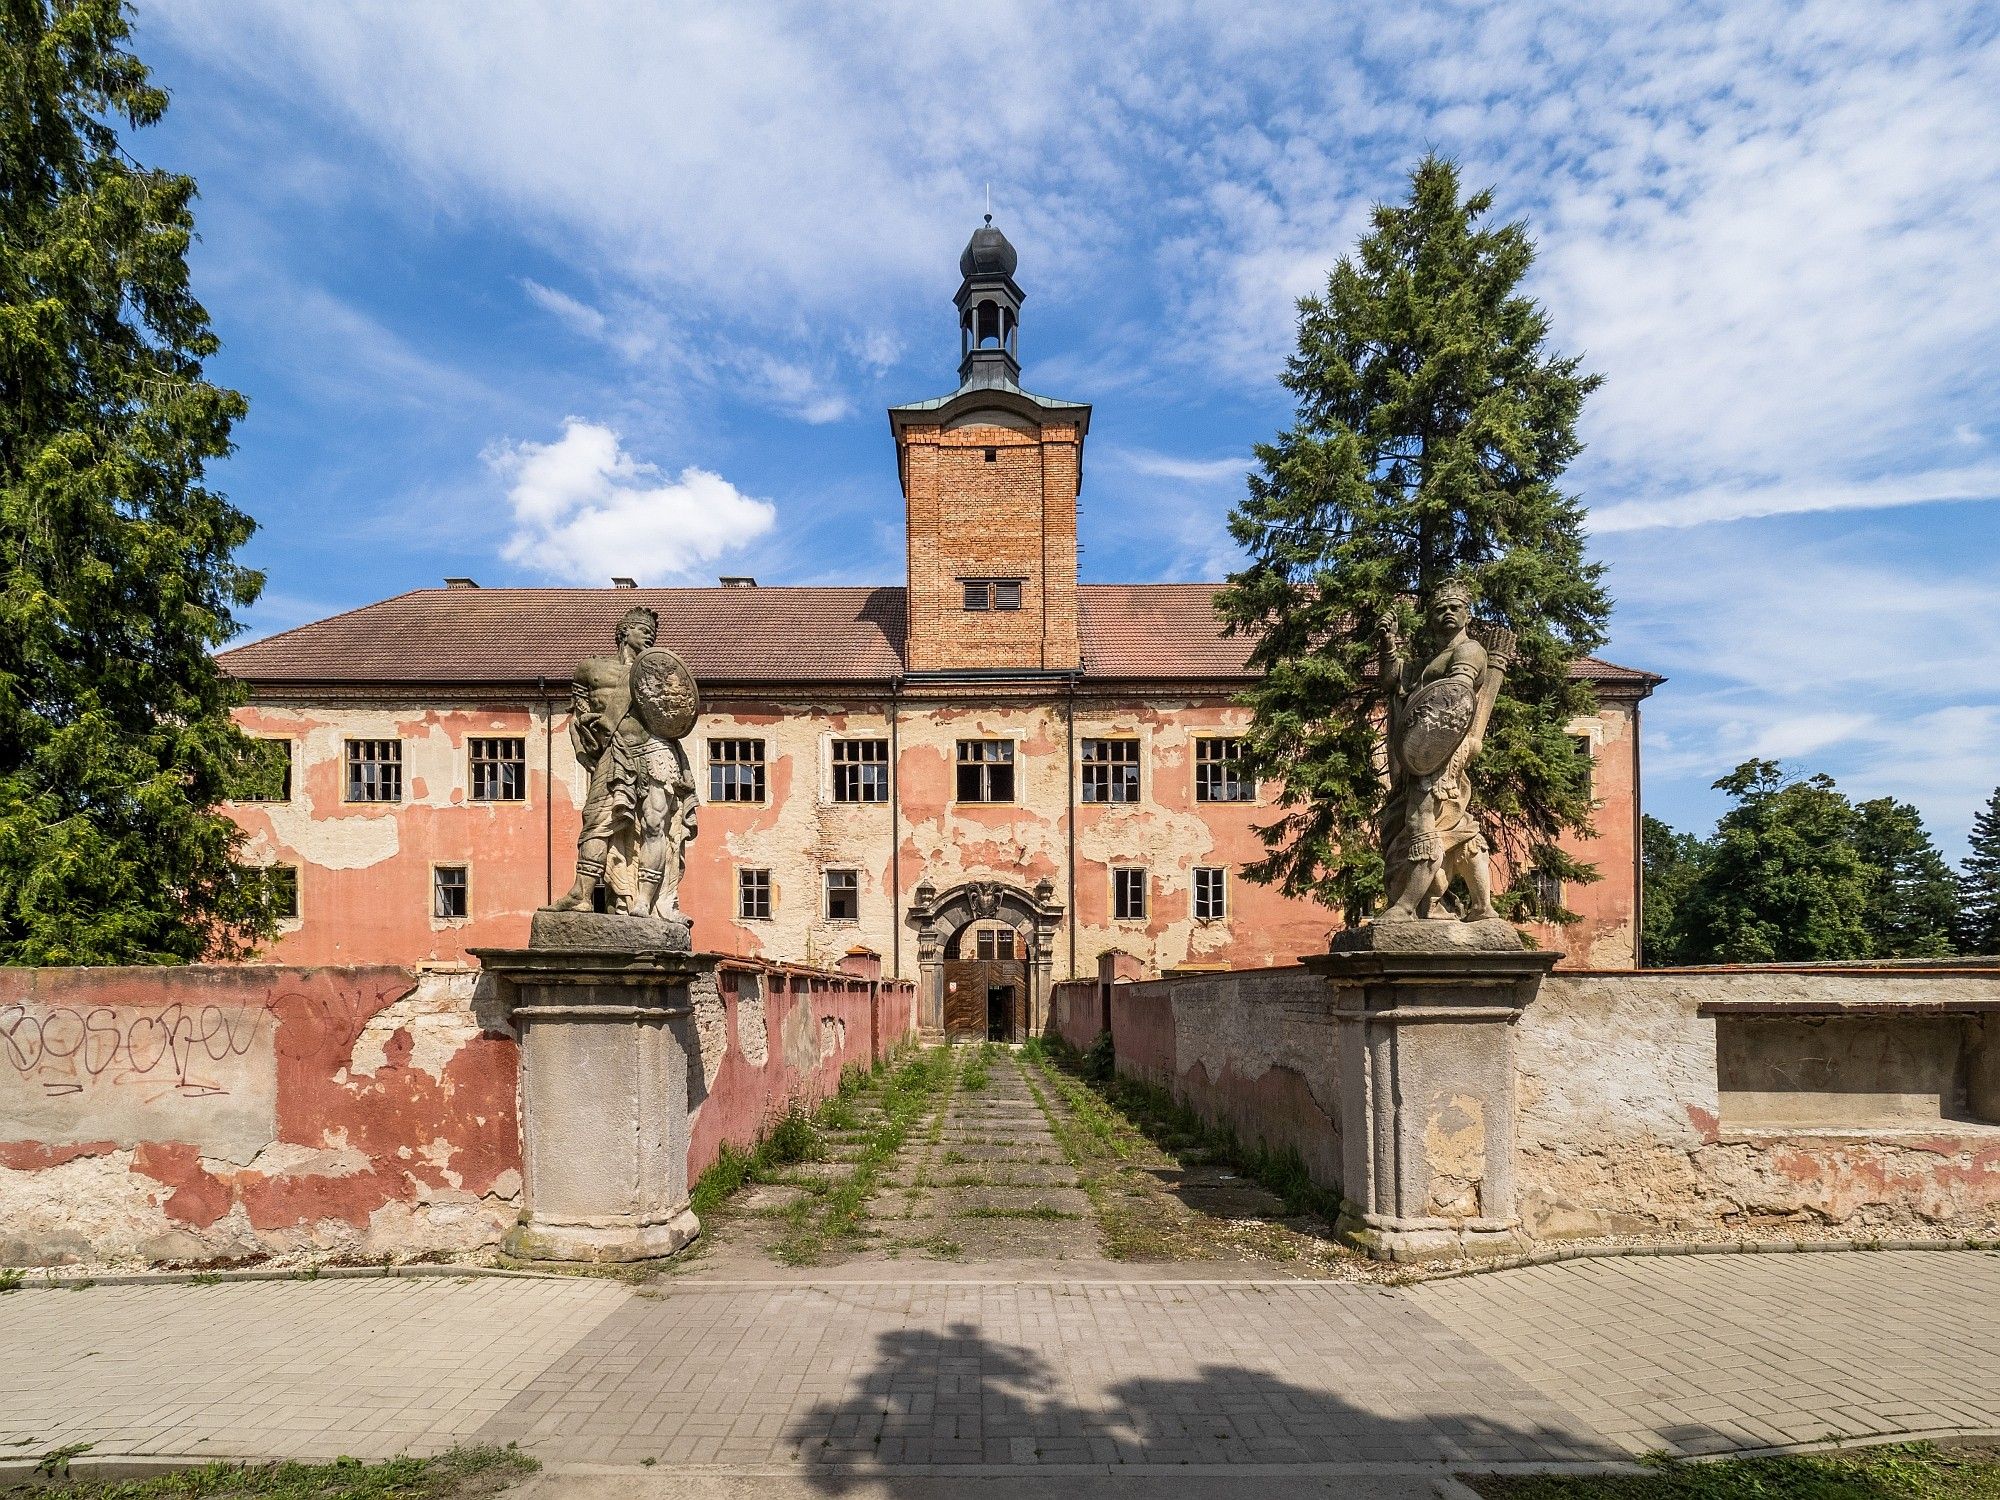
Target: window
(736, 770)
(1111, 770)
(499, 770)
(992, 455)
(861, 770)
(1580, 745)
(267, 772)
(281, 889)
(843, 896)
(374, 770)
(992, 593)
(986, 770)
(1128, 895)
(1541, 894)
(993, 943)
(449, 892)
(1210, 893)
(1219, 774)
(753, 895)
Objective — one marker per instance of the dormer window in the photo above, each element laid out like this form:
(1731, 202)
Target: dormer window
(992, 593)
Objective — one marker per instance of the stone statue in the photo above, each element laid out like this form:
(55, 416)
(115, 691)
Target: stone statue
(629, 711)
(1438, 711)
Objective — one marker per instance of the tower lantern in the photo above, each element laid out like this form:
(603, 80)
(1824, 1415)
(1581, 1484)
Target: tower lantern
(989, 311)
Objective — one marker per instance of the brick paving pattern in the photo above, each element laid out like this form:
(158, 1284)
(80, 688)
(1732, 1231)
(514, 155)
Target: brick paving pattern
(1155, 1373)
(280, 1369)
(1702, 1354)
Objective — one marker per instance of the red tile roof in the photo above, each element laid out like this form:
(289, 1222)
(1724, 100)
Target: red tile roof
(1131, 631)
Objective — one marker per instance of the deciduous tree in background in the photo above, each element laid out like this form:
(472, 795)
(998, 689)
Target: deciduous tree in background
(1978, 925)
(1783, 878)
(1670, 864)
(1433, 424)
(119, 572)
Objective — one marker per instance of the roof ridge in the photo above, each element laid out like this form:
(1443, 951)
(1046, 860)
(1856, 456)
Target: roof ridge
(265, 640)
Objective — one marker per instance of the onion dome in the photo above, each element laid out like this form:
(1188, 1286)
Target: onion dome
(987, 253)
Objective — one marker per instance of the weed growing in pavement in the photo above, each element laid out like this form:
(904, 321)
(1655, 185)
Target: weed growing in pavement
(10, 1278)
(460, 1474)
(908, 1092)
(1897, 1471)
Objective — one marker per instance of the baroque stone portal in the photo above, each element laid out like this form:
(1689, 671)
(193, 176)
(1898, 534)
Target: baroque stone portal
(629, 712)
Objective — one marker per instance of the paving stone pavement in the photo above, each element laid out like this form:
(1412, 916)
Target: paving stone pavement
(280, 1369)
(1589, 1360)
(1702, 1354)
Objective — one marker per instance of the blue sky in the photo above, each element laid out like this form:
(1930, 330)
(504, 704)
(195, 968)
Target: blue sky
(544, 293)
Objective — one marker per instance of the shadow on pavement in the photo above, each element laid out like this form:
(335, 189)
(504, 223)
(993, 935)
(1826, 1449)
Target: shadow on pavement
(956, 1397)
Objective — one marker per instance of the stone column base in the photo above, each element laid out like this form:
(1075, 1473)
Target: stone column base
(1413, 1242)
(542, 1240)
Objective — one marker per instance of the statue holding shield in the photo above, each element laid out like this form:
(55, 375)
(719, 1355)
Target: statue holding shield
(629, 711)
(1439, 706)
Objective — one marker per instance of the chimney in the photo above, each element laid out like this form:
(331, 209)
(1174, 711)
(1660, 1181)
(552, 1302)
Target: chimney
(624, 583)
(737, 581)
(461, 583)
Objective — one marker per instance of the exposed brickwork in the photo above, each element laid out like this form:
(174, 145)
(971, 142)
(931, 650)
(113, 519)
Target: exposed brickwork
(1013, 516)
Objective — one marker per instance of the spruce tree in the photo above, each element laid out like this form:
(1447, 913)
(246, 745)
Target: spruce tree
(1783, 879)
(117, 570)
(1979, 883)
(1432, 426)
(1912, 897)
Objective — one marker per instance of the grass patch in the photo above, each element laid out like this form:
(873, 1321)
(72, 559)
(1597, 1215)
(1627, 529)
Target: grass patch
(11, 1278)
(1040, 1211)
(815, 1226)
(460, 1474)
(1901, 1471)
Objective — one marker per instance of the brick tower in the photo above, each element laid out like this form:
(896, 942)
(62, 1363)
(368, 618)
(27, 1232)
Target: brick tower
(990, 475)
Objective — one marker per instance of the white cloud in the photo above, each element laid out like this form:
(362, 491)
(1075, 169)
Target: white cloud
(1157, 465)
(585, 510)
(1796, 497)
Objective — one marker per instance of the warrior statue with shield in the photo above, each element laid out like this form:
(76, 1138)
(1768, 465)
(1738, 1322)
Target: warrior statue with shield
(1439, 707)
(629, 711)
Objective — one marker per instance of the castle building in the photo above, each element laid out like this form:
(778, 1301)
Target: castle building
(990, 776)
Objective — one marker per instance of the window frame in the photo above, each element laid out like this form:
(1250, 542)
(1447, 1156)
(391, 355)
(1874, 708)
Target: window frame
(1111, 767)
(860, 766)
(349, 763)
(759, 764)
(1584, 747)
(985, 766)
(992, 595)
(988, 938)
(1120, 876)
(297, 913)
(438, 887)
(1221, 765)
(755, 878)
(291, 744)
(473, 763)
(1221, 893)
(852, 891)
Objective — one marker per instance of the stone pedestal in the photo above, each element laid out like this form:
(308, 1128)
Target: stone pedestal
(604, 1101)
(1427, 1012)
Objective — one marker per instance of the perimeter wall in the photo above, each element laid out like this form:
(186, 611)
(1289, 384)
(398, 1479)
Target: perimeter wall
(212, 1114)
(1862, 1098)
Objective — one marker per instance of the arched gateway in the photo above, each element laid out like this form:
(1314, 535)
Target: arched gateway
(985, 950)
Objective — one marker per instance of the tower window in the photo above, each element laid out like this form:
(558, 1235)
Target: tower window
(993, 455)
(992, 593)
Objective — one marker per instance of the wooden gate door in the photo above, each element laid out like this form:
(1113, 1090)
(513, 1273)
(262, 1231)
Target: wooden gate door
(965, 997)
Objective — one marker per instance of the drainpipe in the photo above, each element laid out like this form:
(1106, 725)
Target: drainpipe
(1638, 852)
(548, 794)
(895, 834)
(1070, 894)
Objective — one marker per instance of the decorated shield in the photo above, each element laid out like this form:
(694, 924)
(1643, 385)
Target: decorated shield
(1436, 719)
(663, 693)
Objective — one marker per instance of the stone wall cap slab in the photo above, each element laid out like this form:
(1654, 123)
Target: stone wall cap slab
(1423, 935)
(607, 932)
(1832, 1006)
